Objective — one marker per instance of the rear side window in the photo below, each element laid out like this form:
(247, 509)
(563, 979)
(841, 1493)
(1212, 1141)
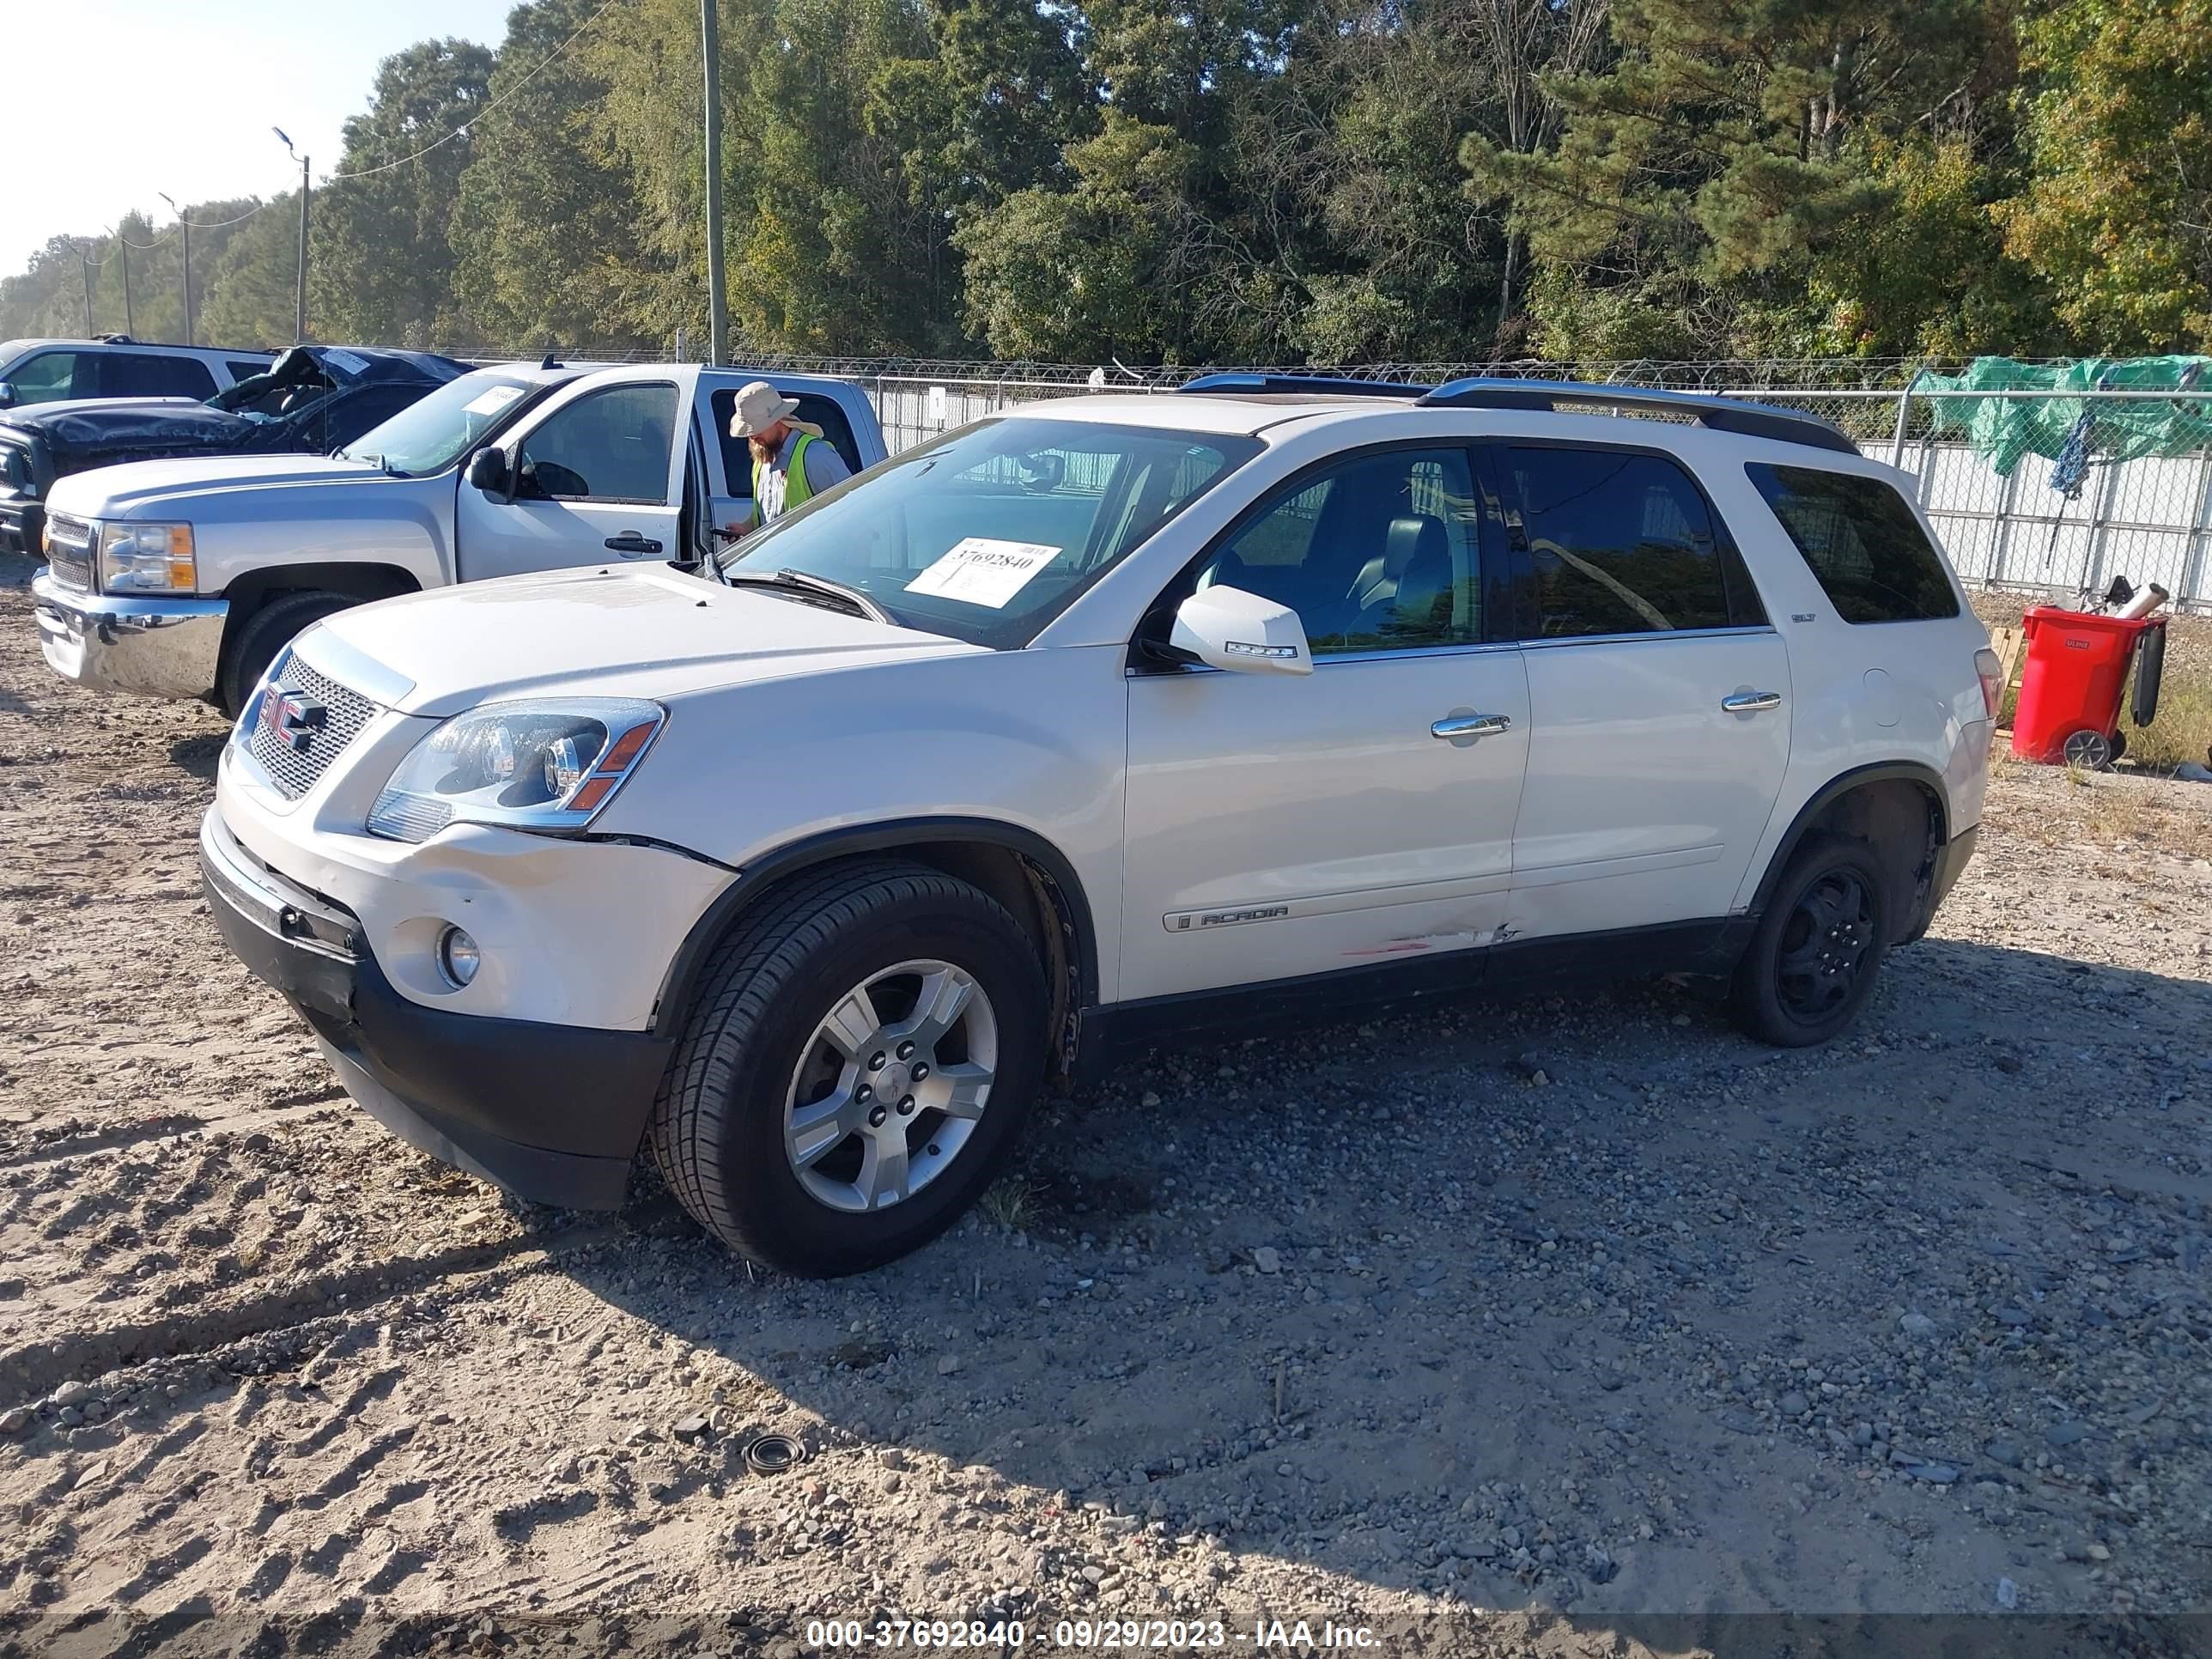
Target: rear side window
(1863, 542)
(1621, 542)
(243, 371)
(142, 374)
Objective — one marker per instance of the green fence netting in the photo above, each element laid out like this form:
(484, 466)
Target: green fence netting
(2172, 417)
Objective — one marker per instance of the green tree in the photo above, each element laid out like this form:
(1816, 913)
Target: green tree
(1726, 146)
(545, 231)
(1099, 271)
(382, 261)
(250, 288)
(2117, 209)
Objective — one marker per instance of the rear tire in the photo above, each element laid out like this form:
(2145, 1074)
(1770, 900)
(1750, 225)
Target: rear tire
(1814, 958)
(265, 633)
(770, 1128)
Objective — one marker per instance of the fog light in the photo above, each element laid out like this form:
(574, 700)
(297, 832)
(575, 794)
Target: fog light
(458, 957)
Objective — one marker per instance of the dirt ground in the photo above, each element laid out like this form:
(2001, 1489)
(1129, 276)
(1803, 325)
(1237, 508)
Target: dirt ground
(1571, 1326)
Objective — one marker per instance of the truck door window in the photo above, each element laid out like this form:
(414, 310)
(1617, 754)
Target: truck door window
(50, 376)
(608, 446)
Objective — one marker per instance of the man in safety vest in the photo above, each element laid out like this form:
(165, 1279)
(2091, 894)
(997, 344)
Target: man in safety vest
(792, 460)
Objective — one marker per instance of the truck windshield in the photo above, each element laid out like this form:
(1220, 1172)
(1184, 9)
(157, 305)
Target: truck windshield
(991, 531)
(429, 437)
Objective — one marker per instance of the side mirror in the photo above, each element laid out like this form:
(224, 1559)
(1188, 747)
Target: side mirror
(487, 472)
(1227, 628)
(7, 395)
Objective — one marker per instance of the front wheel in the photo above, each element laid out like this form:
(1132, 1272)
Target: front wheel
(265, 633)
(1812, 961)
(855, 1070)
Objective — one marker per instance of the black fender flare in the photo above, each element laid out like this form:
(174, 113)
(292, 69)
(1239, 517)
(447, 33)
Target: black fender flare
(1828, 794)
(761, 875)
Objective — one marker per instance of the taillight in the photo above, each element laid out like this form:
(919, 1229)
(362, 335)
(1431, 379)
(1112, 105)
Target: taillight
(1992, 672)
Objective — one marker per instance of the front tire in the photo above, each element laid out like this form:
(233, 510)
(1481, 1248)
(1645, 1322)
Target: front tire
(856, 1068)
(265, 633)
(1814, 958)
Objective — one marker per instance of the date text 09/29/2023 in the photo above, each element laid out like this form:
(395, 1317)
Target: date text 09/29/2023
(1153, 1634)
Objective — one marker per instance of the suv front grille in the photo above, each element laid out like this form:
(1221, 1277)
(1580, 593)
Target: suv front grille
(69, 550)
(305, 721)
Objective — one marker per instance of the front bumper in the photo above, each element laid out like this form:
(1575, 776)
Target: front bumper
(20, 523)
(150, 647)
(551, 1113)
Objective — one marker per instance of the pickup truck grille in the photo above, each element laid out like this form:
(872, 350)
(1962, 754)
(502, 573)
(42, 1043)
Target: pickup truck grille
(69, 549)
(305, 721)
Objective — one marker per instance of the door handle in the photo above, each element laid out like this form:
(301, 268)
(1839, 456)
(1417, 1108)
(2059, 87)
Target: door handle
(1752, 702)
(631, 545)
(1471, 726)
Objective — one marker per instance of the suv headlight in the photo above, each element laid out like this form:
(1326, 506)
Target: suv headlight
(148, 558)
(527, 765)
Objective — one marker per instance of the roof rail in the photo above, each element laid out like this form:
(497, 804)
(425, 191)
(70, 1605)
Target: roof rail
(1325, 385)
(1752, 420)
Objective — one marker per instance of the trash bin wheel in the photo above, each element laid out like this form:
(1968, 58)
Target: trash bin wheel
(2088, 747)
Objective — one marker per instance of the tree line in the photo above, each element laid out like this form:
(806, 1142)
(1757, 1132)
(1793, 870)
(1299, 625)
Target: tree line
(1259, 181)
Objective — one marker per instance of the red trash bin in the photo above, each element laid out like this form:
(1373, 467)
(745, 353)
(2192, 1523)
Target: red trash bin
(2069, 691)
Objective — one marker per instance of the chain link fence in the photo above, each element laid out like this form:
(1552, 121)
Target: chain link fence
(2010, 514)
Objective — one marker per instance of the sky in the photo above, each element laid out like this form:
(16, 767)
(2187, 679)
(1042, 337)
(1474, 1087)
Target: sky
(116, 100)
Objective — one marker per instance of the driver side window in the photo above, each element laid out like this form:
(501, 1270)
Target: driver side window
(611, 446)
(1379, 553)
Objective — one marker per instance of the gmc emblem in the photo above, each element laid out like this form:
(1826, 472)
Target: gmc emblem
(293, 715)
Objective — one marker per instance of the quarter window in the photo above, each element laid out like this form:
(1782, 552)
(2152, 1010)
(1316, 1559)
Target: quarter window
(609, 446)
(1380, 553)
(1863, 543)
(1621, 542)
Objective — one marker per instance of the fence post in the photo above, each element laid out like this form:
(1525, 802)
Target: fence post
(1904, 409)
(2191, 588)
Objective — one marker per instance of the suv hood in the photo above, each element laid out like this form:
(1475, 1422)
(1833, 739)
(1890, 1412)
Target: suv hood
(151, 489)
(650, 632)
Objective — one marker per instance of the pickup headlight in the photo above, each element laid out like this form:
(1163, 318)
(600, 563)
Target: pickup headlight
(529, 765)
(148, 558)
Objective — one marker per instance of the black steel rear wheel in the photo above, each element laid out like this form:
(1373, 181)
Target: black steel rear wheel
(1812, 959)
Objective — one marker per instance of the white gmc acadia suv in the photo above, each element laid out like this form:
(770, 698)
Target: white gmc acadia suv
(1082, 724)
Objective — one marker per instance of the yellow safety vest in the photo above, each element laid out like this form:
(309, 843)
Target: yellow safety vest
(795, 489)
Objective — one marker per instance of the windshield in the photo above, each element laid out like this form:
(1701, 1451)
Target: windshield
(429, 437)
(991, 531)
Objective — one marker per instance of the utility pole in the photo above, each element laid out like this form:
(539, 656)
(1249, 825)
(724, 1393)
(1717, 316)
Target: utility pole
(718, 321)
(186, 226)
(299, 296)
(130, 322)
(84, 258)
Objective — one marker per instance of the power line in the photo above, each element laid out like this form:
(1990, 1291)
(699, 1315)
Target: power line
(386, 167)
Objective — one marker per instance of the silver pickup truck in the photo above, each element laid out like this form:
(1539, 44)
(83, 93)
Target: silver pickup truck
(185, 578)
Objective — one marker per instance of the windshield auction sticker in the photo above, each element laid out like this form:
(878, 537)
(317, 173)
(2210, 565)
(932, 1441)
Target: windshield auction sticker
(981, 571)
(491, 400)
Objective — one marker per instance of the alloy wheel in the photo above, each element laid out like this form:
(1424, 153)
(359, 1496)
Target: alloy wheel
(890, 1087)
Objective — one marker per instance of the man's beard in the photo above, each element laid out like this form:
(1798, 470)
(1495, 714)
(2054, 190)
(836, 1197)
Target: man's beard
(763, 451)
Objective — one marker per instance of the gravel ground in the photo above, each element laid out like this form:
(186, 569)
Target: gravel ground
(1583, 1311)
